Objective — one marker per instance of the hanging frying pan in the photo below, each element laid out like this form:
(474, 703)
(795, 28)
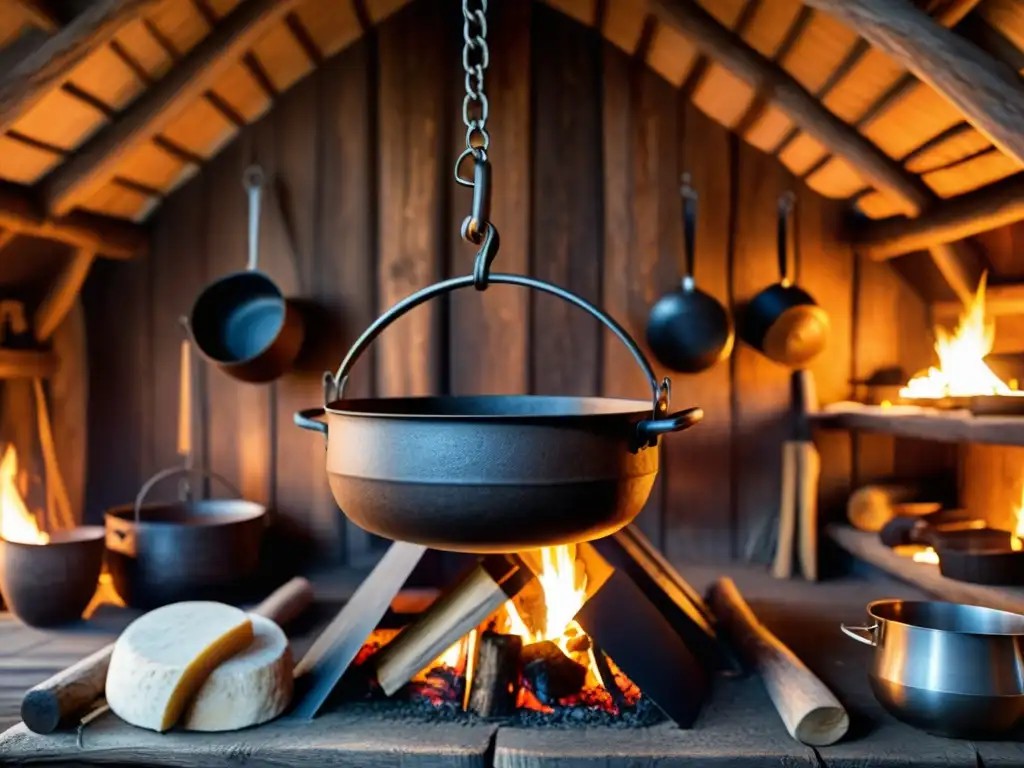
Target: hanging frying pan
(242, 322)
(689, 330)
(783, 321)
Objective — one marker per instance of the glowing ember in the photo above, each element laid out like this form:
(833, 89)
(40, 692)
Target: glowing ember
(16, 522)
(962, 371)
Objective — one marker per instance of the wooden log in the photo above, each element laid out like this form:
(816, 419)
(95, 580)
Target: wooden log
(62, 294)
(46, 67)
(809, 710)
(72, 692)
(550, 674)
(987, 91)
(495, 684)
(95, 163)
(946, 221)
(478, 594)
(109, 237)
(774, 83)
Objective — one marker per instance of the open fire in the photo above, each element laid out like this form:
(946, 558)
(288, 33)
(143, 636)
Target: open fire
(17, 523)
(559, 666)
(962, 371)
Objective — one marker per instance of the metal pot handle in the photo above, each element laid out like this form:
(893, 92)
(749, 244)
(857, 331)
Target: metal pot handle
(864, 635)
(252, 181)
(173, 472)
(334, 386)
(309, 418)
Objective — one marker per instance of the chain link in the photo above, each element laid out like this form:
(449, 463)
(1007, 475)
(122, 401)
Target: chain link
(476, 57)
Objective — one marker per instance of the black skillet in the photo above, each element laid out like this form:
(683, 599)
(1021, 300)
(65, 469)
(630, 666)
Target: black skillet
(689, 330)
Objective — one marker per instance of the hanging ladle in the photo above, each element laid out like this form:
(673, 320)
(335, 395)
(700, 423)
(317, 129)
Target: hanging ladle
(689, 330)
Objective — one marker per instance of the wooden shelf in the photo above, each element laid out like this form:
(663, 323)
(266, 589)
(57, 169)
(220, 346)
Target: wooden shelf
(956, 426)
(870, 549)
(26, 364)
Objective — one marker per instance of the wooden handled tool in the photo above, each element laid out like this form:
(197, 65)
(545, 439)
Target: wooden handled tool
(72, 692)
(809, 710)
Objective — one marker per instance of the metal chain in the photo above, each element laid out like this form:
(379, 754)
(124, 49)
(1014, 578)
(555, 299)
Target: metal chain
(476, 56)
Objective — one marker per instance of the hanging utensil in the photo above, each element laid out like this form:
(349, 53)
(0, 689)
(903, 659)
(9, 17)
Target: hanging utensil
(242, 322)
(490, 473)
(783, 321)
(689, 330)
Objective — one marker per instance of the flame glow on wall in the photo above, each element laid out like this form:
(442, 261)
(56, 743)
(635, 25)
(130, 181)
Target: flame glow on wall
(962, 371)
(17, 523)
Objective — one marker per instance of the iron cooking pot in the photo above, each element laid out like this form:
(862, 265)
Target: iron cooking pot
(949, 669)
(492, 473)
(196, 550)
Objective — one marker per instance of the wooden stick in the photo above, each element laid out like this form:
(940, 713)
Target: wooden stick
(782, 566)
(988, 92)
(55, 488)
(483, 590)
(185, 400)
(809, 710)
(73, 691)
(495, 683)
(63, 293)
(808, 473)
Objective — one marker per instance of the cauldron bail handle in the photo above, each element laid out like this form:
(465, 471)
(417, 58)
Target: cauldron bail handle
(334, 386)
(164, 474)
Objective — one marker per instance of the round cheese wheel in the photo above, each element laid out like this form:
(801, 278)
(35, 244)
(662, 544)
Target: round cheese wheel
(250, 688)
(165, 656)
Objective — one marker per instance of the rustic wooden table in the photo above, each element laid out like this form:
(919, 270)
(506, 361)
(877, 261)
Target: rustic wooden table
(738, 727)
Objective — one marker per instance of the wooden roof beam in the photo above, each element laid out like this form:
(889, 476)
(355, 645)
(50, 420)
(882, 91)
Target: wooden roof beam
(45, 68)
(947, 221)
(109, 237)
(777, 85)
(987, 91)
(190, 78)
(958, 265)
(38, 15)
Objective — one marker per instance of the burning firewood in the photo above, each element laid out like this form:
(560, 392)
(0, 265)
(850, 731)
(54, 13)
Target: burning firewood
(496, 677)
(550, 674)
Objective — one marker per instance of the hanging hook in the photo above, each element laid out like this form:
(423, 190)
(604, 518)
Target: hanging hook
(485, 257)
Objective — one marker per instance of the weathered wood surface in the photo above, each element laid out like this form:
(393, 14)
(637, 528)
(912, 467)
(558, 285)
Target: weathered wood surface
(956, 426)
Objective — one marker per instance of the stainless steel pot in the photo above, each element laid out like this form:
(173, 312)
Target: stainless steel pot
(492, 473)
(949, 669)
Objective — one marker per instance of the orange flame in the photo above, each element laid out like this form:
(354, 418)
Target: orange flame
(1018, 514)
(16, 522)
(927, 555)
(962, 371)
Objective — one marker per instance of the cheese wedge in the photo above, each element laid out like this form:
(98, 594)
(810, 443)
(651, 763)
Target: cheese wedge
(252, 687)
(165, 656)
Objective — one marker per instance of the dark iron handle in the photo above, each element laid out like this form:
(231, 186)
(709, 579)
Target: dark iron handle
(309, 418)
(649, 431)
(689, 196)
(334, 387)
(174, 471)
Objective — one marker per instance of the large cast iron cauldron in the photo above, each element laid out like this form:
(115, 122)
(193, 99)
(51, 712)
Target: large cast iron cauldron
(492, 473)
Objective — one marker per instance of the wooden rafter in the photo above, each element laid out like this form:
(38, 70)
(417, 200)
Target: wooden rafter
(97, 162)
(777, 85)
(1000, 300)
(38, 14)
(957, 263)
(45, 67)
(57, 303)
(987, 91)
(110, 237)
(947, 221)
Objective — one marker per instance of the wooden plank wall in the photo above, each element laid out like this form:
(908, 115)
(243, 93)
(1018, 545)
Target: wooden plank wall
(588, 146)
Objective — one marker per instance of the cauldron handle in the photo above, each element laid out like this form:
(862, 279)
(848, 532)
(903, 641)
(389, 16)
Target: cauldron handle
(334, 386)
(172, 472)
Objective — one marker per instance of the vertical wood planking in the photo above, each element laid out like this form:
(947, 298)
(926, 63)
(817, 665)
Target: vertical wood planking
(761, 387)
(68, 398)
(698, 511)
(415, 70)
(993, 483)
(347, 285)
(489, 331)
(825, 270)
(566, 202)
(642, 229)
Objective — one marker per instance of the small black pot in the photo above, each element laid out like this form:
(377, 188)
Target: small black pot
(783, 321)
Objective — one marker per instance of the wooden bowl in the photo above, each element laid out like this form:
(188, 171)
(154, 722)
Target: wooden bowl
(49, 584)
